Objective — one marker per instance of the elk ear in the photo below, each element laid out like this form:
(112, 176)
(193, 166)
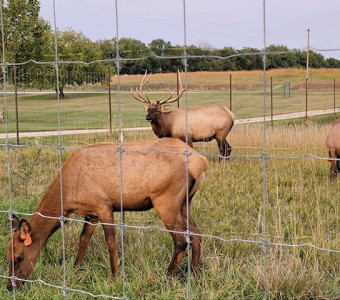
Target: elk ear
(146, 108)
(15, 223)
(25, 232)
(165, 108)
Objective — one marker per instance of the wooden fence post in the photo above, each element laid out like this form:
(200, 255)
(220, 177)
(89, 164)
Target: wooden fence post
(306, 96)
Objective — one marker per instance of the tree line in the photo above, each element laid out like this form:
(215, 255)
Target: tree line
(27, 36)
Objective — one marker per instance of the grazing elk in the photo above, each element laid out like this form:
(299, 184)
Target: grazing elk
(205, 123)
(333, 145)
(153, 175)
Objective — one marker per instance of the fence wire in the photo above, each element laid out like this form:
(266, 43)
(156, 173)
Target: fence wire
(264, 243)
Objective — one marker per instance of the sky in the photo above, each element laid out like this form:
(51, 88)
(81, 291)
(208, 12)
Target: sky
(211, 23)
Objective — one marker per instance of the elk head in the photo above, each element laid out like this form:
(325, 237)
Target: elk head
(154, 110)
(19, 256)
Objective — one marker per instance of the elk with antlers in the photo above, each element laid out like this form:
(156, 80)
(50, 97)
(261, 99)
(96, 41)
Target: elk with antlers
(96, 182)
(204, 123)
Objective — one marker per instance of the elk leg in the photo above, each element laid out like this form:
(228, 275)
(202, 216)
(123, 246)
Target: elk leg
(110, 238)
(337, 165)
(195, 239)
(180, 246)
(173, 221)
(196, 242)
(228, 150)
(222, 146)
(85, 237)
(332, 154)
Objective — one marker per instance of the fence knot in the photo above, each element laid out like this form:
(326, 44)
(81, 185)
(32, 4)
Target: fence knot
(10, 214)
(60, 147)
(65, 289)
(187, 235)
(8, 146)
(56, 63)
(62, 220)
(186, 155)
(264, 246)
(120, 150)
(4, 67)
(122, 227)
(264, 157)
(13, 279)
(117, 61)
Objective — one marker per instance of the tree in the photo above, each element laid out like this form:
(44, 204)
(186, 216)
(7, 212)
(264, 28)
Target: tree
(332, 63)
(132, 49)
(248, 61)
(316, 60)
(26, 37)
(75, 47)
(200, 64)
(228, 64)
(280, 60)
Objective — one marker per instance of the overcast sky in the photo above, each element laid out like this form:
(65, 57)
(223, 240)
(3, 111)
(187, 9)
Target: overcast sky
(217, 23)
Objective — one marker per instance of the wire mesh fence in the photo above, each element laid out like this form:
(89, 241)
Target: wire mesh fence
(272, 243)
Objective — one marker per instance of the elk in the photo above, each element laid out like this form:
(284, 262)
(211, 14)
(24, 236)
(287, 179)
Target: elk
(333, 145)
(153, 176)
(205, 123)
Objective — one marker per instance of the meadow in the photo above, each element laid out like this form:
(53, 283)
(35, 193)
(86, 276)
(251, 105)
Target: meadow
(87, 107)
(302, 207)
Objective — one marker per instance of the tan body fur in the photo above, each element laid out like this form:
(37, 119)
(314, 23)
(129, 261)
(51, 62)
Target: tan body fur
(91, 188)
(205, 123)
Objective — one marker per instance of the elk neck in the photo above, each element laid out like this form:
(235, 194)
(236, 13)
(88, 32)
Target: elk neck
(161, 127)
(44, 226)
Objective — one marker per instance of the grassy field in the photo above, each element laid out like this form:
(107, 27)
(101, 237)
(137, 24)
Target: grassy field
(301, 208)
(82, 109)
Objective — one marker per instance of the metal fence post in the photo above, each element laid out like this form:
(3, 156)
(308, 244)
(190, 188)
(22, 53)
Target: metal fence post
(334, 95)
(16, 100)
(271, 99)
(110, 107)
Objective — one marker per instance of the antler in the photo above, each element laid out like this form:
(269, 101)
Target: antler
(180, 93)
(139, 93)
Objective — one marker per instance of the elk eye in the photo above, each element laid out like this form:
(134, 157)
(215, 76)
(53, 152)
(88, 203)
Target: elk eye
(19, 259)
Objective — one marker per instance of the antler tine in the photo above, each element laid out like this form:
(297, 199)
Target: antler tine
(180, 93)
(144, 83)
(141, 99)
(161, 101)
(139, 93)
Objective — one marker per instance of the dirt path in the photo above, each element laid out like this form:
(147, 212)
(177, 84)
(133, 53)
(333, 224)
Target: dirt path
(238, 121)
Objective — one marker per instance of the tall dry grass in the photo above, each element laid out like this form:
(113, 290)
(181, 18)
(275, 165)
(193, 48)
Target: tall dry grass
(241, 80)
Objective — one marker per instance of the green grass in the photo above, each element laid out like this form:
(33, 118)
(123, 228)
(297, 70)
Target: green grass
(90, 110)
(302, 207)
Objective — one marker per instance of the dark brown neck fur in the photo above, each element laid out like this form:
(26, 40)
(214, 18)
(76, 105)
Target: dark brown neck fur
(162, 125)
